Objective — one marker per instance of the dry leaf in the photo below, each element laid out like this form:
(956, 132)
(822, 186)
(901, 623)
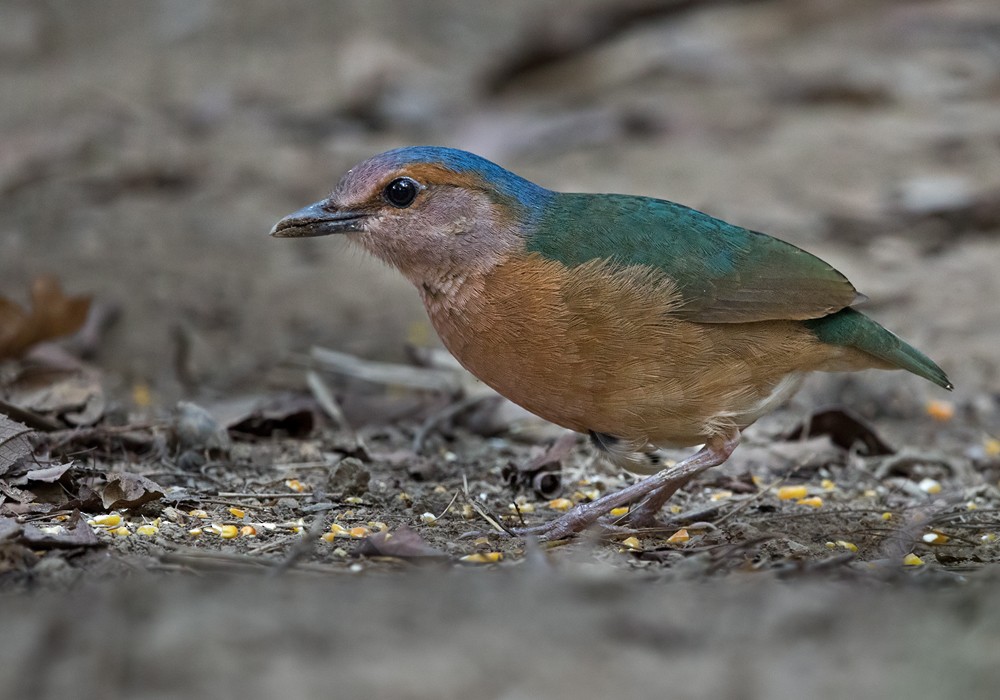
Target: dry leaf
(52, 315)
(126, 490)
(74, 395)
(14, 444)
(77, 533)
(402, 543)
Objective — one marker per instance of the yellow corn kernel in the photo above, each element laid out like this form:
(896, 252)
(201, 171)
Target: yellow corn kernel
(827, 485)
(229, 532)
(679, 537)
(792, 493)
(631, 543)
(428, 518)
(992, 447)
(912, 559)
(147, 530)
(481, 541)
(405, 497)
(295, 485)
(440, 489)
(358, 532)
(675, 509)
(812, 502)
(849, 546)
(935, 537)
(198, 513)
(328, 537)
(111, 520)
(482, 558)
(354, 500)
(831, 545)
(757, 479)
(62, 518)
(248, 531)
(870, 493)
(378, 525)
(720, 495)
(971, 505)
(121, 532)
(988, 538)
(560, 504)
(930, 486)
(338, 530)
(887, 516)
(237, 513)
(142, 396)
(195, 531)
(619, 512)
(940, 410)
(468, 512)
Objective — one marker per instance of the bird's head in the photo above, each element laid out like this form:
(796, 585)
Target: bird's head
(426, 210)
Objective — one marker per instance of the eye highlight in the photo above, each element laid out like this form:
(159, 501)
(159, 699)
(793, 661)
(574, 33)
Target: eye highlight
(401, 192)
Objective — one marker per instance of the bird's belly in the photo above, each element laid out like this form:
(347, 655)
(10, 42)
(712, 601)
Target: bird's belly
(593, 352)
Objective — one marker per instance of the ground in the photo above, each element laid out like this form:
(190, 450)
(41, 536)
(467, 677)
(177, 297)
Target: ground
(203, 485)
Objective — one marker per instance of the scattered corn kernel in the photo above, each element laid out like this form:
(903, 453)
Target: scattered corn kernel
(428, 518)
(720, 495)
(971, 505)
(619, 512)
(679, 537)
(675, 509)
(195, 531)
(248, 531)
(141, 395)
(631, 543)
(589, 494)
(812, 502)
(198, 513)
(828, 485)
(121, 531)
(521, 507)
(358, 532)
(354, 500)
(328, 537)
(378, 525)
(237, 513)
(912, 559)
(147, 530)
(480, 541)
(988, 537)
(468, 512)
(228, 532)
(295, 485)
(935, 538)
(405, 497)
(849, 546)
(941, 410)
(930, 486)
(482, 558)
(338, 530)
(440, 489)
(992, 447)
(870, 493)
(560, 504)
(53, 530)
(757, 479)
(831, 545)
(792, 493)
(62, 518)
(339, 552)
(109, 521)
(887, 516)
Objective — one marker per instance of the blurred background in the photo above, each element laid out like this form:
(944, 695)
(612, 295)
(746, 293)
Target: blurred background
(147, 148)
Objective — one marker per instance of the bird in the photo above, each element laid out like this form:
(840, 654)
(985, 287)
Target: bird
(637, 321)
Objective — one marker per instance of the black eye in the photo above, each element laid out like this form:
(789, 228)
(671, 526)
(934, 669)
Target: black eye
(401, 192)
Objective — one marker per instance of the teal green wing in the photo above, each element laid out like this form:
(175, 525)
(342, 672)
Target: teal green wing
(726, 274)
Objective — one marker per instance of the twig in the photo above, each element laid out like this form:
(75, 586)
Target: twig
(305, 545)
(440, 417)
(29, 418)
(445, 381)
(324, 397)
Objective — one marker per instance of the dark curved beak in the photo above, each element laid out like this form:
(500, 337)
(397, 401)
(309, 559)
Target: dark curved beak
(318, 220)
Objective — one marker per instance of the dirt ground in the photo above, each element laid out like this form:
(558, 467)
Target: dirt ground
(254, 471)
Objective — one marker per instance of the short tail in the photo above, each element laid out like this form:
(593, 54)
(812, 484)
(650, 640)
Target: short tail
(853, 329)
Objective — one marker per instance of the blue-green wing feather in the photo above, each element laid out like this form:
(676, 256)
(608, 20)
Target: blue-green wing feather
(726, 274)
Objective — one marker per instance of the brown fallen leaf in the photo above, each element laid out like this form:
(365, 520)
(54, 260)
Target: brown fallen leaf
(14, 444)
(402, 543)
(52, 315)
(76, 533)
(126, 490)
(74, 395)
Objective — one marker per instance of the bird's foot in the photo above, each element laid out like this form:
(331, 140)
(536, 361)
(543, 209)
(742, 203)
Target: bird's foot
(653, 492)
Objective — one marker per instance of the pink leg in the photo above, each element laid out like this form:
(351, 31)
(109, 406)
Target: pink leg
(656, 489)
(644, 515)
